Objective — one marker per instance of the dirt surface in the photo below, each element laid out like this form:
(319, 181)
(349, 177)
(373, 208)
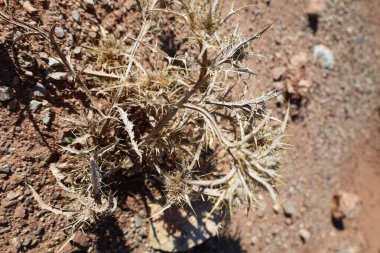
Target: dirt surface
(334, 133)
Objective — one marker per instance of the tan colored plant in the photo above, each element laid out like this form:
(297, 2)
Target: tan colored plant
(174, 119)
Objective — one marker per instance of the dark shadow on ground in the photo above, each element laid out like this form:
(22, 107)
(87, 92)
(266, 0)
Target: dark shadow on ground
(110, 237)
(222, 244)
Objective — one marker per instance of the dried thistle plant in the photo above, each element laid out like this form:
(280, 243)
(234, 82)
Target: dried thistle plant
(174, 119)
(169, 116)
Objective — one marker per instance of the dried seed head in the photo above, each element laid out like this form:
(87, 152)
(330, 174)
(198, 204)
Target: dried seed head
(176, 189)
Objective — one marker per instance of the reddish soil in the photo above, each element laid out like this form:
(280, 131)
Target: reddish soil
(334, 133)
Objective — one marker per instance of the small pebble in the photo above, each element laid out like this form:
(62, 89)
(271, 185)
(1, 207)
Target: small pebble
(344, 251)
(257, 12)
(324, 56)
(304, 234)
(5, 170)
(289, 209)
(92, 35)
(138, 221)
(39, 90)
(34, 105)
(76, 16)
(20, 212)
(29, 7)
(6, 93)
(12, 195)
(43, 55)
(52, 62)
(89, 4)
(77, 50)
(46, 118)
(276, 208)
(254, 240)
(58, 76)
(59, 32)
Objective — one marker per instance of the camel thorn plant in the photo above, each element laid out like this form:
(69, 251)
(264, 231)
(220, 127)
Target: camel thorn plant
(176, 119)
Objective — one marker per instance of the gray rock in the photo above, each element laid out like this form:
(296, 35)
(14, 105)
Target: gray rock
(289, 209)
(89, 4)
(43, 55)
(34, 105)
(27, 242)
(39, 90)
(58, 76)
(59, 32)
(76, 16)
(5, 170)
(46, 118)
(324, 56)
(52, 62)
(6, 93)
(77, 50)
(304, 234)
(70, 79)
(138, 221)
(257, 12)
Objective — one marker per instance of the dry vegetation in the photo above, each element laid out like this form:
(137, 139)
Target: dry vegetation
(172, 119)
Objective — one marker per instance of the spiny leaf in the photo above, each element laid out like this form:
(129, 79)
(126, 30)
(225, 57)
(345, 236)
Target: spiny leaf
(129, 128)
